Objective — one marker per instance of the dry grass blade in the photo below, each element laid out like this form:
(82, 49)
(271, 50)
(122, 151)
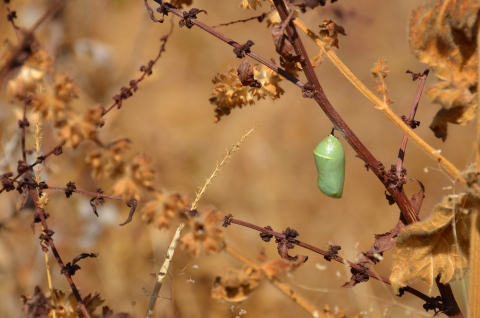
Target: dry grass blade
(162, 273)
(218, 167)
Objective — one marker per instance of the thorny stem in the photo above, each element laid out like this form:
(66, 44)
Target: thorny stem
(259, 18)
(337, 258)
(284, 288)
(39, 160)
(235, 44)
(146, 72)
(411, 117)
(88, 193)
(11, 17)
(81, 304)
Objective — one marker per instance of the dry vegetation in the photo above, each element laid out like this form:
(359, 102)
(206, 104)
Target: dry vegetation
(111, 158)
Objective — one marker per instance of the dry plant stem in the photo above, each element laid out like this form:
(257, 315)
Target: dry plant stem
(162, 273)
(38, 145)
(215, 172)
(413, 111)
(54, 8)
(278, 284)
(79, 299)
(442, 162)
(24, 128)
(89, 193)
(244, 20)
(334, 257)
(51, 152)
(133, 86)
(474, 268)
(12, 21)
(235, 44)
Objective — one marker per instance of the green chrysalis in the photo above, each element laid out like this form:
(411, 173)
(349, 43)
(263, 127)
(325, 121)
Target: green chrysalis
(330, 161)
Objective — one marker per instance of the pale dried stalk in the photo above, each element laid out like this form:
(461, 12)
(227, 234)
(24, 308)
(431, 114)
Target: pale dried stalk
(275, 282)
(162, 273)
(215, 172)
(434, 154)
(38, 178)
(474, 268)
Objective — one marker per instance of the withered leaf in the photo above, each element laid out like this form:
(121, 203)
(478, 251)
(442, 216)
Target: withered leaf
(443, 35)
(245, 74)
(417, 197)
(427, 249)
(236, 285)
(329, 31)
(281, 266)
(283, 46)
(382, 243)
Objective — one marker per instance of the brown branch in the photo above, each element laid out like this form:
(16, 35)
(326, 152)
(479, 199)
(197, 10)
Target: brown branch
(147, 71)
(230, 220)
(235, 44)
(410, 119)
(88, 193)
(11, 16)
(259, 18)
(62, 266)
(57, 150)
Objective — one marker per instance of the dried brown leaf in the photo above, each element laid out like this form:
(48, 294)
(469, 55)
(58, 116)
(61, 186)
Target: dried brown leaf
(329, 31)
(245, 74)
(137, 177)
(236, 285)
(229, 93)
(427, 249)
(443, 35)
(280, 266)
(382, 243)
(206, 233)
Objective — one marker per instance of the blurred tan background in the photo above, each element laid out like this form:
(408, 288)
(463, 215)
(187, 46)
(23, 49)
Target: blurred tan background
(271, 180)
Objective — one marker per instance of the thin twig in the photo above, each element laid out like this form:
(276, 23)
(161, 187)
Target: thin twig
(162, 273)
(75, 291)
(218, 167)
(39, 160)
(147, 71)
(410, 119)
(88, 193)
(230, 220)
(284, 288)
(260, 18)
